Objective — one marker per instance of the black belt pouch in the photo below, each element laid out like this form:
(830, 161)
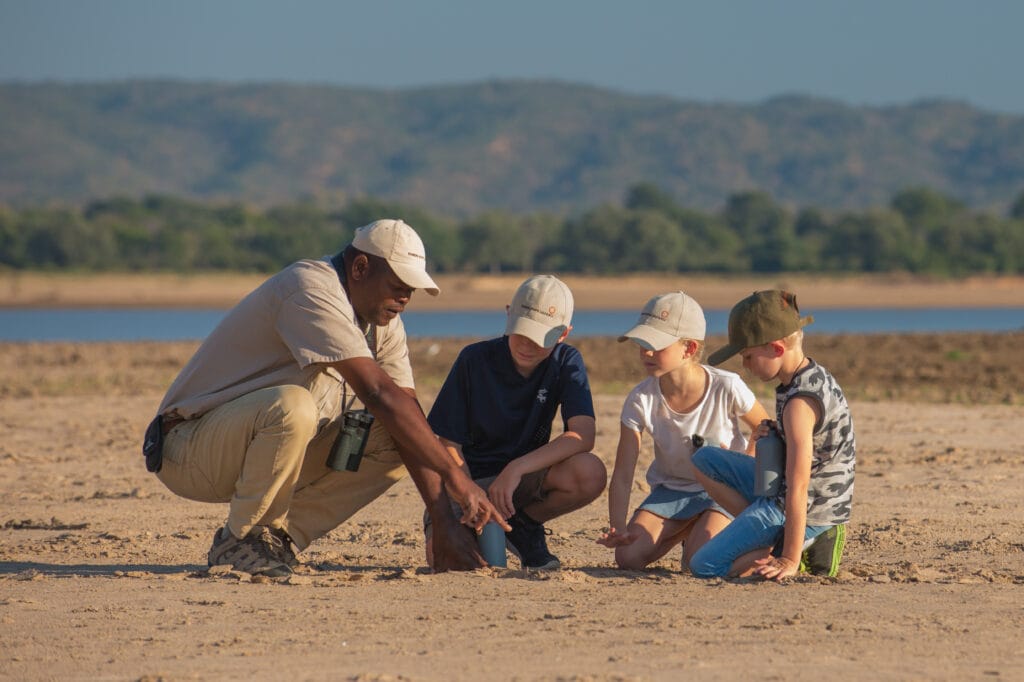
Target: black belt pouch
(153, 445)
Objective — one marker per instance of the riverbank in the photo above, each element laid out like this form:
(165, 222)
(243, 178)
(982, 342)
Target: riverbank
(965, 367)
(489, 292)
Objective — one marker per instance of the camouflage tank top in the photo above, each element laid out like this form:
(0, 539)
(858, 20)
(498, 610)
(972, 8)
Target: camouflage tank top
(830, 493)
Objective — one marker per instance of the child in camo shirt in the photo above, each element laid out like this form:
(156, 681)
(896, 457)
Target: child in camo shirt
(813, 504)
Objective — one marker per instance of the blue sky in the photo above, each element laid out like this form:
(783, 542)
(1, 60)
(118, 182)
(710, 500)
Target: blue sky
(861, 52)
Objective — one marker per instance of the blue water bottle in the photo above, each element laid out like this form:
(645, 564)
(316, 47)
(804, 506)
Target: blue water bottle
(492, 545)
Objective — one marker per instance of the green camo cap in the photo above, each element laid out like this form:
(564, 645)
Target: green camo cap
(760, 318)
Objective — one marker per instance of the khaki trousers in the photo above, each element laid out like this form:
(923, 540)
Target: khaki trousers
(262, 454)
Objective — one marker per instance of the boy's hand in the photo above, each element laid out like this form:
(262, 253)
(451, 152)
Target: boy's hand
(613, 538)
(477, 510)
(762, 429)
(776, 568)
(500, 492)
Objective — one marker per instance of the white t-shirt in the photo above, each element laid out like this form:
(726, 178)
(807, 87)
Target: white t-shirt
(715, 418)
(283, 333)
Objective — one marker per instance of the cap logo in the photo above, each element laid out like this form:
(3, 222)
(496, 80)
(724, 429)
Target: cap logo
(540, 310)
(399, 245)
(550, 312)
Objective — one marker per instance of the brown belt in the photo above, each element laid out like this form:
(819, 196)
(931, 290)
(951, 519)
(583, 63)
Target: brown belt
(168, 423)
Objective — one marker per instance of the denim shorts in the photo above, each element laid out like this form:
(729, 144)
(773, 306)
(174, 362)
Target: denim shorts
(759, 525)
(679, 505)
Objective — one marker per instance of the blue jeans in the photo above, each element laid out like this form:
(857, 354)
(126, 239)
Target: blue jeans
(759, 525)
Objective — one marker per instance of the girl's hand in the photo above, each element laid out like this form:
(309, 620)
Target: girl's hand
(776, 568)
(613, 538)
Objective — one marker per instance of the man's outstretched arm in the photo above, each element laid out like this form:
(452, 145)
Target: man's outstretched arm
(431, 468)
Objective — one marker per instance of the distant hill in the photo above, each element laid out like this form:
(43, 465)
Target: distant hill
(521, 146)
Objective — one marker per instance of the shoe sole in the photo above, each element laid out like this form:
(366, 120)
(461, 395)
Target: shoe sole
(832, 569)
(549, 566)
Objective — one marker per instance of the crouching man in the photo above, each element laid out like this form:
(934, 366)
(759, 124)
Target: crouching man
(252, 418)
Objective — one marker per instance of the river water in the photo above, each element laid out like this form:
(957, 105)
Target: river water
(100, 324)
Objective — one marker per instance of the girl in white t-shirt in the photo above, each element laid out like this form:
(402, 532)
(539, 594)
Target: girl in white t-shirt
(682, 405)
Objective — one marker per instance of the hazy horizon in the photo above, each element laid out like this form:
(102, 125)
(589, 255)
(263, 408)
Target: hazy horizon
(870, 53)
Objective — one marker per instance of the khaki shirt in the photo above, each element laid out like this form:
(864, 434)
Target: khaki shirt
(283, 333)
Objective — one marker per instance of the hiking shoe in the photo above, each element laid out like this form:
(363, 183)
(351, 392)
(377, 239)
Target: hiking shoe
(526, 541)
(287, 550)
(258, 553)
(822, 556)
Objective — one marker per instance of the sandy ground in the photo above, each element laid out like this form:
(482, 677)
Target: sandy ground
(103, 576)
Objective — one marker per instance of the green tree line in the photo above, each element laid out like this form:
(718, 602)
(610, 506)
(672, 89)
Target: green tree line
(920, 231)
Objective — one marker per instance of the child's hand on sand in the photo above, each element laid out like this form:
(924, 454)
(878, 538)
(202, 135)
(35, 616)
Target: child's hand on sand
(613, 538)
(776, 568)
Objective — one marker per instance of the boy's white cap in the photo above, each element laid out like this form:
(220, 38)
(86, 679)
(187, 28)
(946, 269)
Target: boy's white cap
(401, 247)
(665, 319)
(541, 310)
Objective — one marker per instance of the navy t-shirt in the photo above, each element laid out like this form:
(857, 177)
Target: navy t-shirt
(496, 414)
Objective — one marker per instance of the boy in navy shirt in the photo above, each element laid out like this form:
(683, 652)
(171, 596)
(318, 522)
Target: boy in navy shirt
(495, 410)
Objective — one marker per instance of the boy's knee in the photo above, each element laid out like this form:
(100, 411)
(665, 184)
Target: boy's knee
(701, 570)
(702, 566)
(702, 460)
(591, 475)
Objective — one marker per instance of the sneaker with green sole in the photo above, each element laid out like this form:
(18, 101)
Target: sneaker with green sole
(822, 556)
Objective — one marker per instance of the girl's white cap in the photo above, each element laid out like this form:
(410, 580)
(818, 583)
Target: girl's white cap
(667, 318)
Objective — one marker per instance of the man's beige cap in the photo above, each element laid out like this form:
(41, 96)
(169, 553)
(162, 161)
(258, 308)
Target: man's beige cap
(541, 310)
(665, 319)
(401, 247)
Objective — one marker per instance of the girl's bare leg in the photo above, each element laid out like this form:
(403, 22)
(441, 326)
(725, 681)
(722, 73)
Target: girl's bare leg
(655, 537)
